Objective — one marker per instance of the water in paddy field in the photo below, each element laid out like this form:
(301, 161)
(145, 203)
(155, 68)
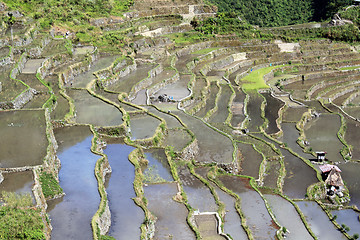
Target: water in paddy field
(23, 139)
(71, 215)
(350, 218)
(18, 182)
(199, 195)
(214, 147)
(319, 221)
(126, 216)
(288, 217)
(83, 79)
(158, 166)
(322, 132)
(92, 110)
(171, 215)
(253, 207)
(143, 126)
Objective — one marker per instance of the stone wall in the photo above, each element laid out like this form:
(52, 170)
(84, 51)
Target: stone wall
(23, 98)
(145, 83)
(191, 151)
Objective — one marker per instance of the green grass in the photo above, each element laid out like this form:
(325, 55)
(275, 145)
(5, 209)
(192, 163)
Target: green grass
(350, 68)
(205, 51)
(17, 220)
(49, 185)
(255, 80)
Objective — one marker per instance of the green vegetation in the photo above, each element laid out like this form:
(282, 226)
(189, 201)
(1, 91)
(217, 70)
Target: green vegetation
(255, 80)
(18, 220)
(279, 12)
(205, 50)
(50, 186)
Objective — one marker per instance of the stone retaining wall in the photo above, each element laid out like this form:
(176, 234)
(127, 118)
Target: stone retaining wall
(190, 151)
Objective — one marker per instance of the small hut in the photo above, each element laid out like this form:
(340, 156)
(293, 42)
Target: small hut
(333, 180)
(320, 156)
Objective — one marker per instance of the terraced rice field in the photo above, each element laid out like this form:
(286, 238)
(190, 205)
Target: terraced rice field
(213, 140)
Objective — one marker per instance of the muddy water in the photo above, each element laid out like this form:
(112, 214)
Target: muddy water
(352, 137)
(322, 134)
(4, 51)
(126, 216)
(232, 220)
(19, 182)
(210, 101)
(253, 207)
(71, 215)
(126, 83)
(271, 112)
(10, 88)
(32, 65)
(319, 222)
(171, 122)
(140, 98)
(158, 164)
(61, 109)
(143, 126)
(214, 147)
(37, 102)
(92, 110)
(293, 114)
(222, 113)
(348, 217)
(254, 111)
(177, 90)
(171, 215)
(207, 225)
(232, 224)
(30, 148)
(251, 160)
(177, 138)
(199, 196)
(290, 136)
(272, 174)
(237, 108)
(288, 217)
(350, 175)
(298, 176)
(31, 80)
(83, 79)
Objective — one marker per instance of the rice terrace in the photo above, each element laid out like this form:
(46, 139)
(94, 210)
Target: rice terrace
(179, 119)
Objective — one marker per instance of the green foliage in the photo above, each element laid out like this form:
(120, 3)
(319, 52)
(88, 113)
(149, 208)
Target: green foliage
(104, 237)
(70, 10)
(17, 221)
(265, 13)
(151, 175)
(49, 185)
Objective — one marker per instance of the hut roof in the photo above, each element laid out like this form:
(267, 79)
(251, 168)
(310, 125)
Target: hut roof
(328, 167)
(334, 178)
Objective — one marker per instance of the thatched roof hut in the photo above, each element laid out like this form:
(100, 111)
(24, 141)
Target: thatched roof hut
(334, 178)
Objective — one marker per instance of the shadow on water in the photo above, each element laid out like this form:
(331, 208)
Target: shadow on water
(126, 216)
(254, 110)
(272, 108)
(71, 215)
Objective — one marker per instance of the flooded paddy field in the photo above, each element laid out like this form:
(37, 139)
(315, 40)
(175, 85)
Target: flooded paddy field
(82, 198)
(248, 177)
(30, 148)
(126, 221)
